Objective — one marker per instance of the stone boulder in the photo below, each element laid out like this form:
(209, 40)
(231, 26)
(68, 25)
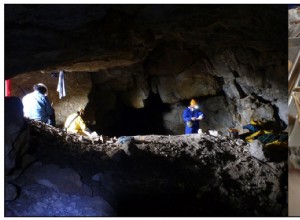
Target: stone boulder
(63, 180)
(217, 114)
(173, 121)
(11, 192)
(16, 133)
(231, 91)
(251, 107)
(256, 150)
(40, 200)
(264, 111)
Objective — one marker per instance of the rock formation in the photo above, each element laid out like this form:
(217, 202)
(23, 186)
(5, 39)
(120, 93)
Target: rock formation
(16, 134)
(118, 55)
(154, 175)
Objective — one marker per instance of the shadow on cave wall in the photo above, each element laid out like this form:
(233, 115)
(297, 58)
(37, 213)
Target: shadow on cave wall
(125, 120)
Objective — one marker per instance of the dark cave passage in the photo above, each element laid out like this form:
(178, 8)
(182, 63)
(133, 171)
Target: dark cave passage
(129, 121)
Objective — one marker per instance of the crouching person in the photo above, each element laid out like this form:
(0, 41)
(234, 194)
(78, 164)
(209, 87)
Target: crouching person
(37, 105)
(76, 125)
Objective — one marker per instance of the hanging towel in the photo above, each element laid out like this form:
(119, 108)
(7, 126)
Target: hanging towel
(61, 85)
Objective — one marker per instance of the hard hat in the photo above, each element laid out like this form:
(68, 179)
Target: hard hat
(193, 102)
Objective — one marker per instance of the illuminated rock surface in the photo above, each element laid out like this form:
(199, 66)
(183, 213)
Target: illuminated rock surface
(150, 176)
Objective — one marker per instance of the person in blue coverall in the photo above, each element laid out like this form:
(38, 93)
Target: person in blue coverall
(37, 105)
(191, 116)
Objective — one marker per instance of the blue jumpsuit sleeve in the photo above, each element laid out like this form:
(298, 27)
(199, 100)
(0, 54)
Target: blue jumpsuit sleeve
(186, 116)
(199, 113)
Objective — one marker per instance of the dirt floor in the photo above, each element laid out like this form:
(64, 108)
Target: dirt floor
(153, 175)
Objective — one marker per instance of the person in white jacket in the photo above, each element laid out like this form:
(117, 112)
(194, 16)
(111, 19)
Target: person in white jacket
(37, 105)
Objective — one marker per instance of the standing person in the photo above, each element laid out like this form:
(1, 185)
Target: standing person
(37, 105)
(191, 116)
(75, 124)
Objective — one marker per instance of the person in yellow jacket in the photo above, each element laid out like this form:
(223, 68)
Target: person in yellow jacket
(75, 124)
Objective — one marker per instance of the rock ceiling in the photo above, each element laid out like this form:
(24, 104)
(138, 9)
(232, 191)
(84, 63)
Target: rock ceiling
(131, 51)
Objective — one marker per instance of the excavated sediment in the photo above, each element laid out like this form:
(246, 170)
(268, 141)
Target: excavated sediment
(154, 175)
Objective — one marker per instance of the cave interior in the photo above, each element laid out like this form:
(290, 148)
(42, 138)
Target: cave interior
(134, 69)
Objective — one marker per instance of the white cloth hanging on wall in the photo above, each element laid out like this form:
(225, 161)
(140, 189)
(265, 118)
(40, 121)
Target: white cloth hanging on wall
(61, 85)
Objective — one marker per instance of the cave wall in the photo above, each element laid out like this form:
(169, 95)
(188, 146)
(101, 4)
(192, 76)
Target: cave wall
(78, 87)
(232, 58)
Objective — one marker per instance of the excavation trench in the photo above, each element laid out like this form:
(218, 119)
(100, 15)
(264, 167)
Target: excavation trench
(151, 175)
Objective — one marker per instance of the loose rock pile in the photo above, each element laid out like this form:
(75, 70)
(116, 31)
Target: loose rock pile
(184, 175)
